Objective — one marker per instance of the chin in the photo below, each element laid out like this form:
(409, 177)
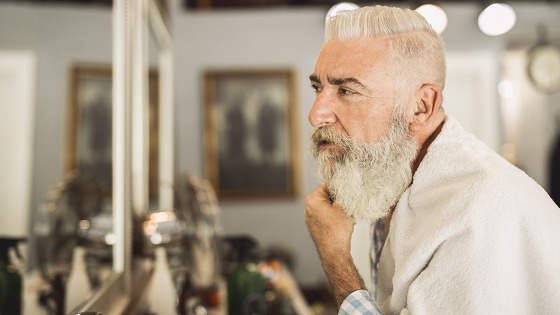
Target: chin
(328, 168)
(328, 161)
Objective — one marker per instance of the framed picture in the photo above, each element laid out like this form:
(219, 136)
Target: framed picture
(250, 133)
(89, 140)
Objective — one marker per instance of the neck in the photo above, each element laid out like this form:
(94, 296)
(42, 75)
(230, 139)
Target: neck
(427, 136)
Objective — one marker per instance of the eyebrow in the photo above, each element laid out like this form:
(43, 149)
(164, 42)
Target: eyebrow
(338, 81)
(341, 81)
(314, 78)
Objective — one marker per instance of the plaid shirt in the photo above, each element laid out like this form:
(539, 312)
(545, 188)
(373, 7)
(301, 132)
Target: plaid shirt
(358, 303)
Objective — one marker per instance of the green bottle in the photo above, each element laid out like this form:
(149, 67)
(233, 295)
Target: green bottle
(10, 279)
(246, 285)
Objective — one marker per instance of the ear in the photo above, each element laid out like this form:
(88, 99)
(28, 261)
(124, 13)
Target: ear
(427, 101)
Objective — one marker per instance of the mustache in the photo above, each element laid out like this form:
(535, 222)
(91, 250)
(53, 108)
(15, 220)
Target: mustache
(321, 135)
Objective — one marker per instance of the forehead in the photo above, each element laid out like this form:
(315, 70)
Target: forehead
(361, 58)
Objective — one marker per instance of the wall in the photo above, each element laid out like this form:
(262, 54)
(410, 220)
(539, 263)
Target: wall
(251, 39)
(532, 118)
(528, 119)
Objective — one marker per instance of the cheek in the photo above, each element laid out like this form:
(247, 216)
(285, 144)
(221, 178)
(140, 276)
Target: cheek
(369, 125)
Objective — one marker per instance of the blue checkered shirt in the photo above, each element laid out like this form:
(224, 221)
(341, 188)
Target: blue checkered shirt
(357, 303)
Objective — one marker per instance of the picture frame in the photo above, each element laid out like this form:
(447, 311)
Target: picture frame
(89, 124)
(250, 138)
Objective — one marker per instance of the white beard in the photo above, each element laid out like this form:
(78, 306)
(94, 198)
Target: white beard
(366, 179)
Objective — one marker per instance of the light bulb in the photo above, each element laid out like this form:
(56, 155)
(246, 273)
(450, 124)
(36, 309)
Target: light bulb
(156, 238)
(343, 6)
(435, 16)
(496, 19)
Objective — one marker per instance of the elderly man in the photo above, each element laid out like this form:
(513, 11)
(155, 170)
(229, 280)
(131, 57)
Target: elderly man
(469, 233)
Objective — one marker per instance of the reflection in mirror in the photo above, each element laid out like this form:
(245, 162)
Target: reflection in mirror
(62, 149)
(74, 237)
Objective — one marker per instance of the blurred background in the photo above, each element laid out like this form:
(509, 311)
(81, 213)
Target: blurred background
(237, 64)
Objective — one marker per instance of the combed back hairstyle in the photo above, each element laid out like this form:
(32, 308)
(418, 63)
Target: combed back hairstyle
(417, 51)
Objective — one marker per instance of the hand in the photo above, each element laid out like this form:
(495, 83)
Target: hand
(330, 227)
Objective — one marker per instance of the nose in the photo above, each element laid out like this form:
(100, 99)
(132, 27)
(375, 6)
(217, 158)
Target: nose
(321, 113)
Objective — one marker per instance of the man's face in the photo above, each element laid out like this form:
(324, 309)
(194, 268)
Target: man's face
(355, 94)
(362, 146)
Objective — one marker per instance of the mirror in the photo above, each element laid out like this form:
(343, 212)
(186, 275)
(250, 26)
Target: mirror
(58, 85)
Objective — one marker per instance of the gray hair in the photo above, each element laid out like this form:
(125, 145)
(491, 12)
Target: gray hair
(417, 50)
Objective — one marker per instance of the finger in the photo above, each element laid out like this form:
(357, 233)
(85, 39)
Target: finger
(320, 191)
(324, 190)
(327, 192)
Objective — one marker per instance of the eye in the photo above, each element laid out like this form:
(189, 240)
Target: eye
(317, 88)
(344, 91)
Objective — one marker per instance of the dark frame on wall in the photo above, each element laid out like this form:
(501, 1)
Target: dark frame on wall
(89, 124)
(250, 138)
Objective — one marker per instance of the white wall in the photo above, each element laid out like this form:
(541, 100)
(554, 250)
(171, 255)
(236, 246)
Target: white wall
(17, 103)
(470, 94)
(531, 118)
(251, 39)
(528, 118)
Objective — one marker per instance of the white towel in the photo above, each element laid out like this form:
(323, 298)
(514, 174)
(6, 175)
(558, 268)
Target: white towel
(472, 235)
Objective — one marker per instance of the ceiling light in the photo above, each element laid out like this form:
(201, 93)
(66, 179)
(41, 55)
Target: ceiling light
(435, 16)
(343, 6)
(496, 19)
